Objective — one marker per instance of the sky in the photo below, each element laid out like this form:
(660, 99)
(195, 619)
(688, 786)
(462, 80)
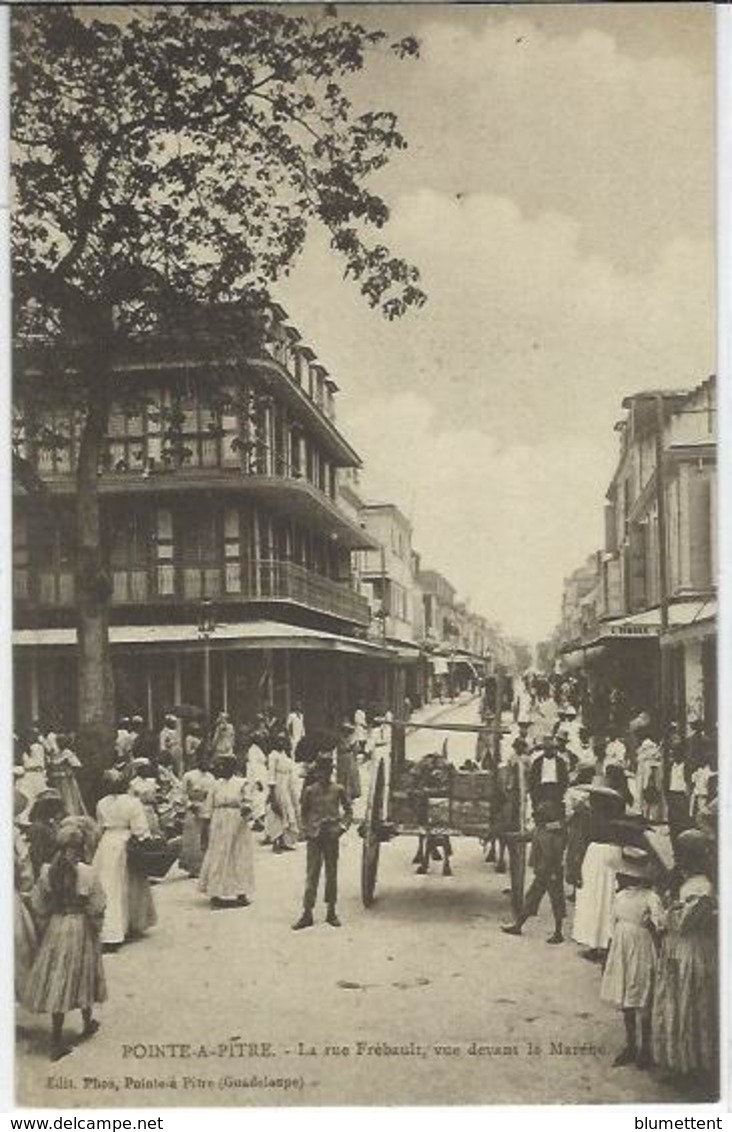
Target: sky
(558, 197)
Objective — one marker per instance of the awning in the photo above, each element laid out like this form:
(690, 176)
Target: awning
(233, 635)
(410, 654)
(691, 621)
(469, 661)
(699, 614)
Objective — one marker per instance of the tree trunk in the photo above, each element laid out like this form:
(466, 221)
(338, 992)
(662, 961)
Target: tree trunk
(93, 586)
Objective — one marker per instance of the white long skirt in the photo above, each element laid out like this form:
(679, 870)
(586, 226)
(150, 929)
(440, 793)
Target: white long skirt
(228, 867)
(110, 862)
(593, 915)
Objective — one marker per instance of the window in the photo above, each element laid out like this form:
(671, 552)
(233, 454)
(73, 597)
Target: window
(700, 531)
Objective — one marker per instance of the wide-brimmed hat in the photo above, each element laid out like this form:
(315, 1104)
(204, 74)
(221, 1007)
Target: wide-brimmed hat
(46, 800)
(694, 846)
(635, 863)
(599, 791)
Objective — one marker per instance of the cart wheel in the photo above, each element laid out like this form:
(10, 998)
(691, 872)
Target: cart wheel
(517, 869)
(371, 837)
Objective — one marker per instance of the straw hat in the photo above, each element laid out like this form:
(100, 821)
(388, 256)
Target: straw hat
(635, 863)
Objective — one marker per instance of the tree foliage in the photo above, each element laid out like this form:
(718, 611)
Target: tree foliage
(180, 153)
(168, 161)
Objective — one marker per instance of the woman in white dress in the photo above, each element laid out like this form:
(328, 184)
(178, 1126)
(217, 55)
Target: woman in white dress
(197, 784)
(282, 819)
(257, 780)
(120, 816)
(649, 781)
(227, 872)
(593, 918)
(33, 781)
(224, 736)
(144, 785)
(360, 730)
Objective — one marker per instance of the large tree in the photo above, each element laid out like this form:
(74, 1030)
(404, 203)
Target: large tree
(169, 158)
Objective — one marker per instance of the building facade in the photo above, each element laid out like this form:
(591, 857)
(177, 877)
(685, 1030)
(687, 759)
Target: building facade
(229, 549)
(651, 630)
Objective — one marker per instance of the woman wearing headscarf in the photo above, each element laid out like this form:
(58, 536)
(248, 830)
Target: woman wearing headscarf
(282, 817)
(227, 872)
(45, 814)
(224, 735)
(258, 778)
(197, 784)
(62, 765)
(686, 1006)
(67, 972)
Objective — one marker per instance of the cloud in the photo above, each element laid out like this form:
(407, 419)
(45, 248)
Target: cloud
(505, 524)
(535, 105)
(557, 197)
(494, 406)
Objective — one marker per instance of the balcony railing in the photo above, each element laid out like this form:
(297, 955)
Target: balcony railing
(250, 580)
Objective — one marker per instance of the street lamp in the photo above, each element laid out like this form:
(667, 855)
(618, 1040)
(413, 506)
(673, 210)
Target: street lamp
(206, 629)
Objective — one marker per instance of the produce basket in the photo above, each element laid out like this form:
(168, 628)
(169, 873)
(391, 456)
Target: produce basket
(151, 856)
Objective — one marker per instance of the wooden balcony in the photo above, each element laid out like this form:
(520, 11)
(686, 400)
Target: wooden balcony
(235, 581)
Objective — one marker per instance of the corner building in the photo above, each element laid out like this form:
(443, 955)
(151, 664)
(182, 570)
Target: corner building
(229, 556)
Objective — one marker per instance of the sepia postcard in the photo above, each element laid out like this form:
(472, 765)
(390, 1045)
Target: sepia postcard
(364, 421)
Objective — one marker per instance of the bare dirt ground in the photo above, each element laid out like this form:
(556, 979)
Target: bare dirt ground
(420, 999)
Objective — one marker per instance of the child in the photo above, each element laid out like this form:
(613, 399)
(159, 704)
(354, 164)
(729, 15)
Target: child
(685, 1011)
(700, 786)
(547, 852)
(629, 976)
(67, 973)
(326, 814)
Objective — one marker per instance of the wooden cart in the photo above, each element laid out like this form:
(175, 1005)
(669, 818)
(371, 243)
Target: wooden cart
(468, 809)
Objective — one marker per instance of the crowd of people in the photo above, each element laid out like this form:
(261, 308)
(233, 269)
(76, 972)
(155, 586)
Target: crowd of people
(183, 796)
(624, 825)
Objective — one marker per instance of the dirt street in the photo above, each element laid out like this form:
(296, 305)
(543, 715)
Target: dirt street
(420, 999)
